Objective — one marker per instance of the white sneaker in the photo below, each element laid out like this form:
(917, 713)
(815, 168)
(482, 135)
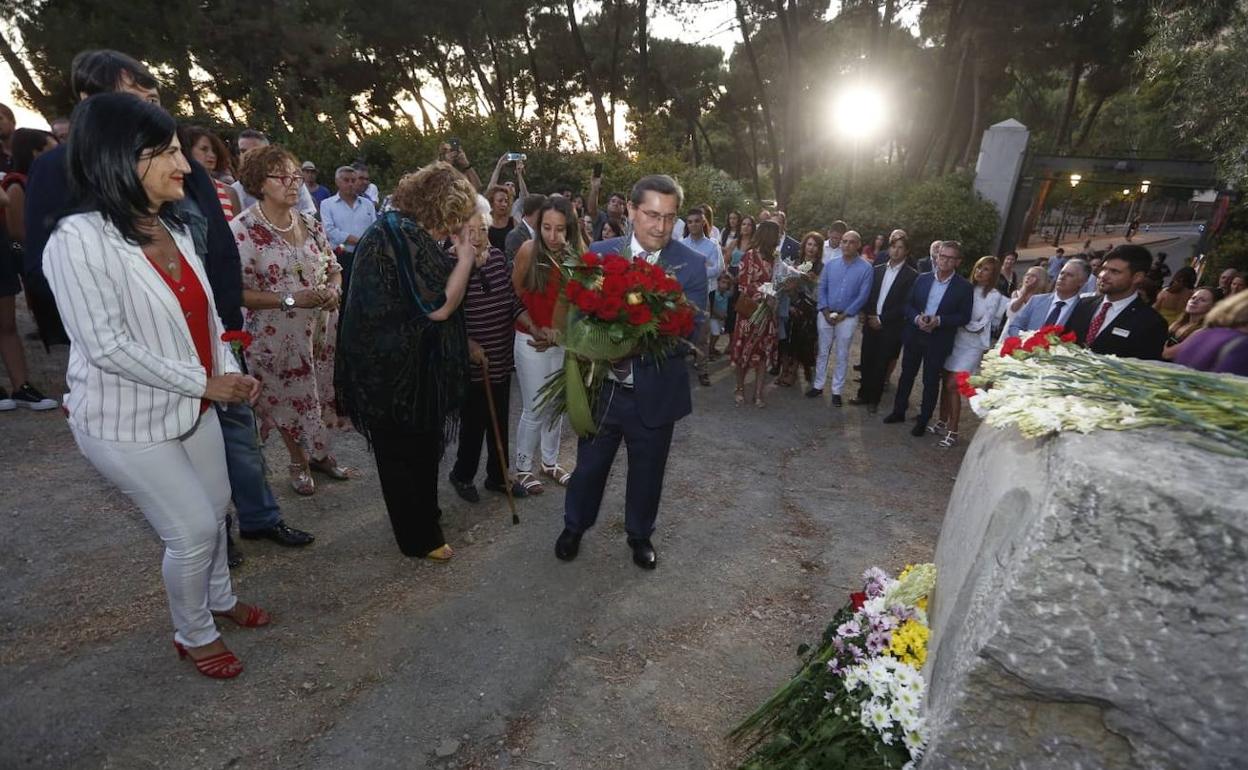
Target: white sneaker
(29, 398)
(6, 404)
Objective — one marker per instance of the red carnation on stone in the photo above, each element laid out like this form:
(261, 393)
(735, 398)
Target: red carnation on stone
(1010, 345)
(857, 599)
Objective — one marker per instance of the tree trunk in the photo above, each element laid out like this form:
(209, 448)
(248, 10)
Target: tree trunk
(1072, 95)
(758, 184)
(977, 115)
(501, 77)
(777, 173)
(539, 91)
(615, 60)
(794, 161)
(606, 139)
(45, 104)
(494, 96)
(1088, 121)
(886, 26)
(952, 113)
(917, 161)
(643, 57)
(710, 148)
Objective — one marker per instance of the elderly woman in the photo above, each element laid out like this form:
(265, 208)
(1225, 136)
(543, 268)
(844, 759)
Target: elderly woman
(291, 286)
(402, 368)
(147, 359)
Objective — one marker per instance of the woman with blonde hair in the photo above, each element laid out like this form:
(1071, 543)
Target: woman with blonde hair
(1035, 281)
(1222, 346)
(970, 343)
(1192, 320)
(401, 373)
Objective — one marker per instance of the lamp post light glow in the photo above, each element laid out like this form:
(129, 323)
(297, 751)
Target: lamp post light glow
(1075, 179)
(1144, 186)
(1126, 191)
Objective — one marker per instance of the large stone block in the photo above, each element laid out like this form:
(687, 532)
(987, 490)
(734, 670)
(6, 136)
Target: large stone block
(1091, 606)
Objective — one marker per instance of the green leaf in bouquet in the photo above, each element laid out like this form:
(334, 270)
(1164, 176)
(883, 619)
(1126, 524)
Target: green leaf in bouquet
(616, 334)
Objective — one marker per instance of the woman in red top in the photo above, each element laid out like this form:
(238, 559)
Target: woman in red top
(538, 284)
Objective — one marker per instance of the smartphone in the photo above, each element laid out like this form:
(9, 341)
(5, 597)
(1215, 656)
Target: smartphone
(454, 143)
(598, 169)
(512, 157)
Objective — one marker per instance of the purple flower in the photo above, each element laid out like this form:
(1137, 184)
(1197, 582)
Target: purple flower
(873, 582)
(877, 642)
(834, 666)
(849, 628)
(838, 644)
(856, 651)
(880, 623)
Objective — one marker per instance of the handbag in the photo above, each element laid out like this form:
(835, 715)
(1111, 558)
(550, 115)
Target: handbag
(745, 306)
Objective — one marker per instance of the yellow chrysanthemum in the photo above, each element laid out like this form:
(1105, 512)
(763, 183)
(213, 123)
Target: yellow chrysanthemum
(909, 643)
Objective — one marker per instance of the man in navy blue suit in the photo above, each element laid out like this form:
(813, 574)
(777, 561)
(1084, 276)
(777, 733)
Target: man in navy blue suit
(939, 303)
(643, 398)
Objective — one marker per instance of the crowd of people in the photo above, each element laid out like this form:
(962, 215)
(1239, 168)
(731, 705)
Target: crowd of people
(211, 296)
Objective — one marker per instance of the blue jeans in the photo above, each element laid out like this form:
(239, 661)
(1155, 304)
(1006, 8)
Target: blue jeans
(249, 489)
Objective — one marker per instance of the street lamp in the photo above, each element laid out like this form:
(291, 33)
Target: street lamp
(1144, 186)
(1061, 228)
(1075, 179)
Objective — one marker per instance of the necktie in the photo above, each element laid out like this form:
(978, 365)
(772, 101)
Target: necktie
(644, 255)
(1094, 328)
(1055, 313)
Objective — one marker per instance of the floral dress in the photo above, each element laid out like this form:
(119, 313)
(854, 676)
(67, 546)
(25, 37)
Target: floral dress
(292, 351)
(754, 345)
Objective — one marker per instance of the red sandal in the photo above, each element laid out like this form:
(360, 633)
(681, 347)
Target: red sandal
(223, 665)
(256, 617)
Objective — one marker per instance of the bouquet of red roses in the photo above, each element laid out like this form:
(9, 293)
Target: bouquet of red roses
(618, 308)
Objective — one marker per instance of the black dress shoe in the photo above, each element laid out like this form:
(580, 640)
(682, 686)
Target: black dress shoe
(568, 544)
(855, 401)
(836, 400)
(919, 429)
(814, 393)
(893, 417)
(517, 489)
(704, 379)
(466, 491)
(773, 371)
(280, 533)
(643, 553)
(872, 408)
(233, 556)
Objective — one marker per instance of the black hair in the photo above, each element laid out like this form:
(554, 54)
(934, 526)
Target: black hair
(532, 202)
(8, 113)
(98, 72)
(1137, 257)
(27, 142)
(251, 133)
(659, 183)
(110, 131)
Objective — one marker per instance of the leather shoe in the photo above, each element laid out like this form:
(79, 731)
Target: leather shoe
(919, 429)
(814, 393)
(872, 409)
(894, 418)
(643, 553)
(568, 545)
(280, 533)
(855, 401)
(466, 491)
(233, 556)
(836, 400)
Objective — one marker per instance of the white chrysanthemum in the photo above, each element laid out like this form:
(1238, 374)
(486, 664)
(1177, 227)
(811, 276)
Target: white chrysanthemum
(876, 716)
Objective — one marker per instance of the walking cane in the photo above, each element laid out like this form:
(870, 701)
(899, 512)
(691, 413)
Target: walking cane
(498, 440)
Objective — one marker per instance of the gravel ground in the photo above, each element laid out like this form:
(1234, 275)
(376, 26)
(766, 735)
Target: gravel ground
(504, 657)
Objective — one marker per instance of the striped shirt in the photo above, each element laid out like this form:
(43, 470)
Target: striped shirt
(223, 195)
(491, 308)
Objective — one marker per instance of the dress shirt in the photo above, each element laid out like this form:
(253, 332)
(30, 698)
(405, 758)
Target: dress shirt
(1114, 309)
(890, 276)
(341, 219)
(1089, 286)
(709, 249)
(844, 286)
(635, 249)
(831, 254)
(371, 192)
(936, 294)
(304, 204)
(1064, 315)
(1055, 266)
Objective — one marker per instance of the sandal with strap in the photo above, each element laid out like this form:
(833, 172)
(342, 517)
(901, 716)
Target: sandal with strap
(739, 396)
(951, 438)
(530, 483)
(223, 665)
(328, 466)
(940, 426)
(557, 472)
(301, 480)
(256, 617)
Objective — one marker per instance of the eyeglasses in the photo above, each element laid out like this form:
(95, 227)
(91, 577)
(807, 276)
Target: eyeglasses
(287, 180)
(655, 216)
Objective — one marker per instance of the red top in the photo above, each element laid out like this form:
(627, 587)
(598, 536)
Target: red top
(541, 305)
(195, 307)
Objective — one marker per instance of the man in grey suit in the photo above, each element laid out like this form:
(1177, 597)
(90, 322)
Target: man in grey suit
(526, 230)
(1054, 307)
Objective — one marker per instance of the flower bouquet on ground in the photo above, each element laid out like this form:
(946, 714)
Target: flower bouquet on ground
(1046, 384)
(857, 701)
(617, 308)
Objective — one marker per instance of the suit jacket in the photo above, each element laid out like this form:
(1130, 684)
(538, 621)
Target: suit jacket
(954, 310)
(47, 199)
(790, 249)
(894, 314)
(134, 373)
(1137, 332)
(925, 265)
(515, 239)
(662, 387)
(1034, 313)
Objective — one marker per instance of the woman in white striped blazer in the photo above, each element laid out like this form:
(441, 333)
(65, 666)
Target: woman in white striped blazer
(147, 357)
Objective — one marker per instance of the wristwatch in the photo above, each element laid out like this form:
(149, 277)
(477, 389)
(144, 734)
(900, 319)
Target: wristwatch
(288, 301)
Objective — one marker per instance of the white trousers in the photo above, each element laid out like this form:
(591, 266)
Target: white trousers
(182, 488)
(532, 369)
(839, 335)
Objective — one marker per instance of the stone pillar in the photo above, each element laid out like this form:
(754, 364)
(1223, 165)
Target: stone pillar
(1091, 606)
(1001, 154)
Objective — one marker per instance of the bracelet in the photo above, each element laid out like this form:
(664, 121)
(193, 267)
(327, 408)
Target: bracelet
(467, 168)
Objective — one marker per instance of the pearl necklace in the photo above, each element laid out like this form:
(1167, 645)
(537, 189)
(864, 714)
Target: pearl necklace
(267, 221)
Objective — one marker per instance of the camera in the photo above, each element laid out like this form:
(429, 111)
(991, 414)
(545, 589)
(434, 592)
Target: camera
(512, 157)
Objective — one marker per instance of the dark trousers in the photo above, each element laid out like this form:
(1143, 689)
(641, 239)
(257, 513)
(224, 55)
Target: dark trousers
(878, 348)
(346, 260)
(407, 466)
(647, 461)
(475, 427)
(920, 351)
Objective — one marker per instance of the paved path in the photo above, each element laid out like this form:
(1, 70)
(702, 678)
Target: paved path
(504, 658)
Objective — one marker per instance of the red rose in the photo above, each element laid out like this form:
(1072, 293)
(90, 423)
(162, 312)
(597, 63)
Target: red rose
(590, 259)
(1068, 337)
(670, 285)
(614, 264)
(614, 285)
(669, 324)
(572, 290)
(639, 315)
(1010, 345)
(857, 599)
(588, 301)
(610, 308)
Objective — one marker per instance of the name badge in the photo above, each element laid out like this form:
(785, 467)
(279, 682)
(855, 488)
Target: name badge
(1118, 331)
